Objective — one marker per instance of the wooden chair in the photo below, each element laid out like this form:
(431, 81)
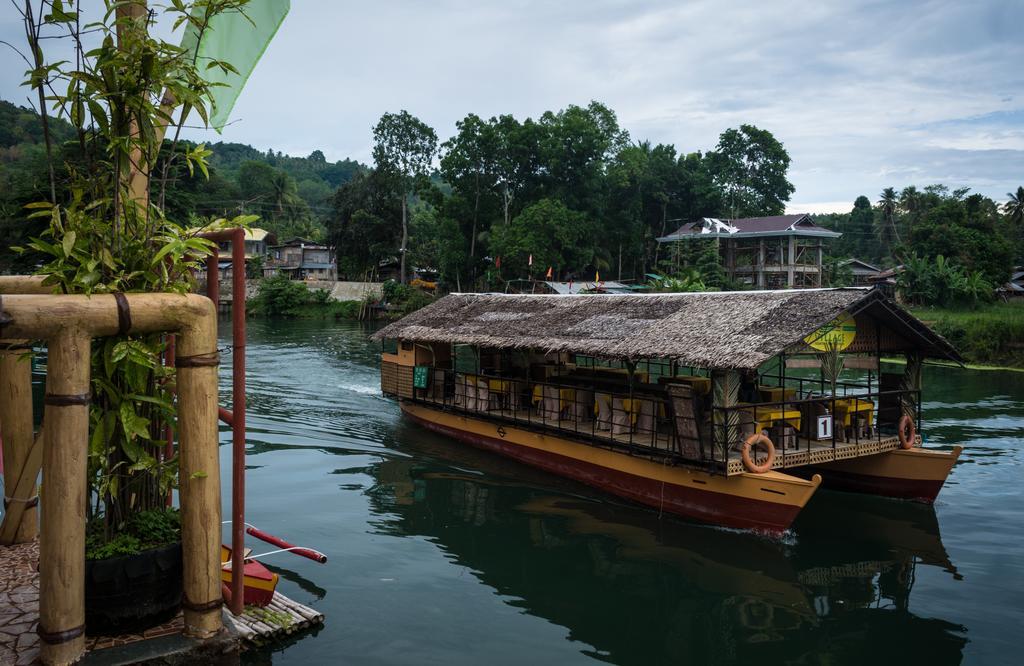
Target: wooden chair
(686, 418)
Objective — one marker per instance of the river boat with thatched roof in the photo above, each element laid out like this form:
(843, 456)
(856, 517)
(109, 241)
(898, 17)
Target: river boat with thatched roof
(726, 407)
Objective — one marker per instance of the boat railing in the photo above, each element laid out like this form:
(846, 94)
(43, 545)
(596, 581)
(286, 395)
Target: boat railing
(674, 421)
(608, 414)
(811, 428)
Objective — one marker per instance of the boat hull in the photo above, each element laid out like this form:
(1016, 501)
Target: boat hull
(912, 474)
(766, 502)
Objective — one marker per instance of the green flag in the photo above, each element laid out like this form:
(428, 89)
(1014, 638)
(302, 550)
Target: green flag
(239, 39)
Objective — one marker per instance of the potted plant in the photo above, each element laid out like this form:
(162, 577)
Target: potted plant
(831, 361)
(106, 233)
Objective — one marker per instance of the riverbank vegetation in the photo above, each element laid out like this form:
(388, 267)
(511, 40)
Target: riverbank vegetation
(279, 296)
(989, 335)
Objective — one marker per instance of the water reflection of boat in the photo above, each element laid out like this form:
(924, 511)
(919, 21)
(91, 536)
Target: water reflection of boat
(680, 402)
(646, 590)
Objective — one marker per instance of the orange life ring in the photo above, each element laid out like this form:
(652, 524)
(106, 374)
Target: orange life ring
(748, 461)
(907, 432)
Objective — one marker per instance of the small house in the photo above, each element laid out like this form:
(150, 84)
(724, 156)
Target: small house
(303, 259)
(862, 271)
(1015, 287)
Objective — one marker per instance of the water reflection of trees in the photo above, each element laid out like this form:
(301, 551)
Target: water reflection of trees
(639, 589)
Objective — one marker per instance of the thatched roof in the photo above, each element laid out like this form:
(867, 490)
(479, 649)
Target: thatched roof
(740, 329)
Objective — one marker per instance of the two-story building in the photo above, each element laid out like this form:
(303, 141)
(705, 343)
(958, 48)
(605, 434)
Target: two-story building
(256, 243)
(765, 252)
(303, 259)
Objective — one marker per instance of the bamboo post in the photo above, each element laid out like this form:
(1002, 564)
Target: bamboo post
(62, 539)
(726, 420)
(18, 438)
(199, 475)
(68, 323)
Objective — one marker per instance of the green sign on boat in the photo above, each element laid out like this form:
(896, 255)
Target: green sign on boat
(420, 376)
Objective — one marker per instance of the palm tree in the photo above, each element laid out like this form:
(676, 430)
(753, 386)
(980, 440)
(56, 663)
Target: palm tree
(910, 205)
(888, 204)
(284, 192)
(1014, 208)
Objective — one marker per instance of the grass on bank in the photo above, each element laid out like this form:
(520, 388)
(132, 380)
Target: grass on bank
(989, 335)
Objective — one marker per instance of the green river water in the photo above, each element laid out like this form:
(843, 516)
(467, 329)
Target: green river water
(440, 554)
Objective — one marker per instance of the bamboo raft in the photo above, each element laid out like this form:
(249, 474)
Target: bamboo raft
(281, 617)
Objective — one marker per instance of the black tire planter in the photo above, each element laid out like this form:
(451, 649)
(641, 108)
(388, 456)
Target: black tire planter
(133, 592)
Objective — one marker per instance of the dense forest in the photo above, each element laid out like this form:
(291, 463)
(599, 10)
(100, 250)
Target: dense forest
(292, 195)
(506, 198)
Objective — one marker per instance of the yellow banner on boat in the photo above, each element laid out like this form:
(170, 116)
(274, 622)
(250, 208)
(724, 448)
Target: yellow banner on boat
(839, 332)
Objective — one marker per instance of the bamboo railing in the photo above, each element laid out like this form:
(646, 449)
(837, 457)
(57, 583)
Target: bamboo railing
(67, 324)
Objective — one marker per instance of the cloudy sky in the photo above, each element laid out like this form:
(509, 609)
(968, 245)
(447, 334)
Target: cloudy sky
(864, 95)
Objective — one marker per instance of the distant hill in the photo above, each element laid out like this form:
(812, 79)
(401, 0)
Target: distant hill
(291, 194)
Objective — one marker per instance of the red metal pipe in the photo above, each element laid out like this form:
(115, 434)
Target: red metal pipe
(213, 277)
(238, 419)
(225, 415)
(281, 543)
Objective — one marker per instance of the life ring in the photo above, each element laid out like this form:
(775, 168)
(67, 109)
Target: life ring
(748, 461)
(907, 432)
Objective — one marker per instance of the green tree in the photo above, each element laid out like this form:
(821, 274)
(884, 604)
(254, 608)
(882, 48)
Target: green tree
(469, 165)
(578, 143)
(888, 206)
(404, 146)
(1014, 206)
(365, 221)
(555, 235)
(861, 229)
(750, 166)
(946, 229)
(270, 191)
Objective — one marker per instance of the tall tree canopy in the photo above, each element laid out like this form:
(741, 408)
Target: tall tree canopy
(404, 146)
(750, 166)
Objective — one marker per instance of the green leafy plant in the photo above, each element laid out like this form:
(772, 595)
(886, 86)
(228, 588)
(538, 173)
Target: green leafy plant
(141, 531)
(831, 361)
(279, 296)
(942, 282)
(687, 279)
(106, 232)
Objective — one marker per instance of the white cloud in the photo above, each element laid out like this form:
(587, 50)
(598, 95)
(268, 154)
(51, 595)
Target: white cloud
(863, 95)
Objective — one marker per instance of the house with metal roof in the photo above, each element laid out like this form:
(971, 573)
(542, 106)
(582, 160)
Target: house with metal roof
(1015, 287)
(863, 272)
(302, 259)
(767, 252)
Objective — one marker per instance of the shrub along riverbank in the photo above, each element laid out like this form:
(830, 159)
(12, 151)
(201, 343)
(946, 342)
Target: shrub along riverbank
(990, 335)
(279, 296)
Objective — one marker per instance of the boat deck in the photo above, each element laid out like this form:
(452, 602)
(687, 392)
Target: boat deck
(805, 452)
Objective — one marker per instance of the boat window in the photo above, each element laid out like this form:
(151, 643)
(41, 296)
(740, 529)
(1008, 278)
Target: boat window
(389, 346)
(407, 346)
(467, 359)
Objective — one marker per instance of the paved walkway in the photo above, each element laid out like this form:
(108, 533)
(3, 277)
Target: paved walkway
(19, 603)
(19, 610)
